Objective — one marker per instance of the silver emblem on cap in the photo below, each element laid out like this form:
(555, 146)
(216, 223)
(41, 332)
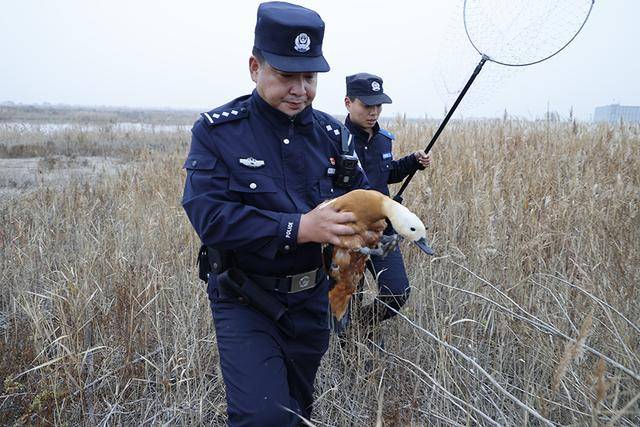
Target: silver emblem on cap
(302, 42)
(375, 86)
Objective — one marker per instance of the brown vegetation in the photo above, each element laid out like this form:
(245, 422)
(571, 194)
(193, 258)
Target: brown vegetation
(536, 227)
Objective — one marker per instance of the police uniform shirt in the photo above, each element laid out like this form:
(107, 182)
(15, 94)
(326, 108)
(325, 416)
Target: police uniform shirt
(376, 157)
(251, 171)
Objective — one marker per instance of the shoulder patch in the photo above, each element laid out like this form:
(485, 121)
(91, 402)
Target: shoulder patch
(387, 133)
(219, 116)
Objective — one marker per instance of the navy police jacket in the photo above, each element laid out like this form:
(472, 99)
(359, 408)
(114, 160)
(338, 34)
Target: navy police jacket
(376, 157)
(251, 172)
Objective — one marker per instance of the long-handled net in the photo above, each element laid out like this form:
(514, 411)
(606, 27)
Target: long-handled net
(515, 33)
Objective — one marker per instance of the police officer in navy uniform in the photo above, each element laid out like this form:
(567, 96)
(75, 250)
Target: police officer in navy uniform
(364, 99)
(257, 169)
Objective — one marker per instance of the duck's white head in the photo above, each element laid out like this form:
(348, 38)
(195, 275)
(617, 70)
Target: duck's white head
(408, 225)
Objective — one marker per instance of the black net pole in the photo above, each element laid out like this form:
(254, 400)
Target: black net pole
(398, 196)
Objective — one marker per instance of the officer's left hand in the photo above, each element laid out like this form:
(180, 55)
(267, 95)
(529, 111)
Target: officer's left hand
(423, 158)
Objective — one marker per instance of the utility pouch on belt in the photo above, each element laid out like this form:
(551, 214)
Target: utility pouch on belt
(209, 260)
(238, 283)
(204, 268)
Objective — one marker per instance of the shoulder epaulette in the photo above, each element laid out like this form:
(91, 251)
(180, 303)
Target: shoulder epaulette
(219, 116)
(332, 129)
(387, 133)
(328, 123)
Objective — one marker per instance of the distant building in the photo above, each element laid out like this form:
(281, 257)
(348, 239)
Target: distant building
(615, 112)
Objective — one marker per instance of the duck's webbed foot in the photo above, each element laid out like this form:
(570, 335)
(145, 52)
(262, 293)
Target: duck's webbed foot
(389, 243)
(370, 251)
(384, 246)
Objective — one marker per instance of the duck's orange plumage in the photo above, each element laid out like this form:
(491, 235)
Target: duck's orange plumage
(348, 264)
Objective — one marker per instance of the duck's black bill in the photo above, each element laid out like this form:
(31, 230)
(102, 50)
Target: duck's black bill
(424, 245)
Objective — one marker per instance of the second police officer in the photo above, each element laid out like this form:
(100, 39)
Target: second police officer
(257, 168)
(373, 144)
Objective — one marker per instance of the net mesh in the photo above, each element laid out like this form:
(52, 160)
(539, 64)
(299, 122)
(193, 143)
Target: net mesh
(521, 32)
(508, 31)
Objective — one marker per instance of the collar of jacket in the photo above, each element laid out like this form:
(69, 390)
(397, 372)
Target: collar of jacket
(303, 121)
(360, 134)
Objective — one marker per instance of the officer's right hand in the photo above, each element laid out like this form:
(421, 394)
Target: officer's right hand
(325, 225)
(423, 158)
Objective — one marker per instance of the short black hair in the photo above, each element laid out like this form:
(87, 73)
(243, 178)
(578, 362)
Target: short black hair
(257, 53)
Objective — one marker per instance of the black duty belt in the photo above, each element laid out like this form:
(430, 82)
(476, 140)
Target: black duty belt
(291, 284)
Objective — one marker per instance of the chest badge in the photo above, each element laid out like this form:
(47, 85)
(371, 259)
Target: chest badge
(250, 162)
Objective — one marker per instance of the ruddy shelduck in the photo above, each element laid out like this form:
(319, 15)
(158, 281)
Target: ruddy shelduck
(348, 259)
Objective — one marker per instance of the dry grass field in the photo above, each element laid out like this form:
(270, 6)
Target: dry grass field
(528, 314)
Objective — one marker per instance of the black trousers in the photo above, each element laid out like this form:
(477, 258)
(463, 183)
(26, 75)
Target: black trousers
(265, 367)
(393, 284)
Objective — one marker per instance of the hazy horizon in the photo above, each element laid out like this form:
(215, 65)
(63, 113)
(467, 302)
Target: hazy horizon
(385, 117)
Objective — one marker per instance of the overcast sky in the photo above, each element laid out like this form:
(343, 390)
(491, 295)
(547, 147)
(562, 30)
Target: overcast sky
(194, 54)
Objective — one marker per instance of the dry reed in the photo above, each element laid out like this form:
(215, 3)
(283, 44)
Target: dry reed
(535, 224)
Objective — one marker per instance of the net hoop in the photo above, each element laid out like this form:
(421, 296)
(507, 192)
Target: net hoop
(484, 55)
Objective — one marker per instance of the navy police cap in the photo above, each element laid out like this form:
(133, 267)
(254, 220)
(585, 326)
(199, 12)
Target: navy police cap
(290, 37)
(367, 88)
